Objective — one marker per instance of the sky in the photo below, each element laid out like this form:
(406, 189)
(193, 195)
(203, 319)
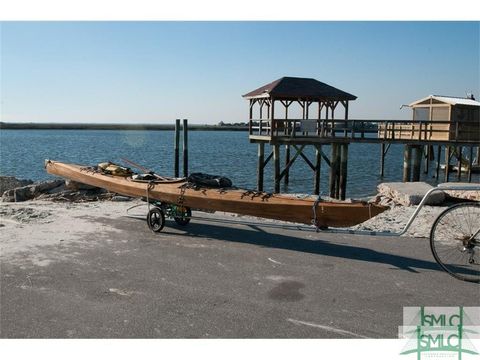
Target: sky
(155, 72)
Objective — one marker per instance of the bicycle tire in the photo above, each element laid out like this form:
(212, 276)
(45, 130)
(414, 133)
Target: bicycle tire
(455, 241)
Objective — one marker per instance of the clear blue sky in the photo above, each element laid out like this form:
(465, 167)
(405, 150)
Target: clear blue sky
(154, 72)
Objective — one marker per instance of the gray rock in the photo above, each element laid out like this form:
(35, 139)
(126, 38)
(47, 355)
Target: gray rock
(45, 186)
(30, 191)
(410, 193)
(121, 198)
(11, 182)
(57, 189)
(462, 194)
(8, 196)
(74, 185)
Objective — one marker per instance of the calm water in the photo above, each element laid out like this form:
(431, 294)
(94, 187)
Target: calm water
(22, 153)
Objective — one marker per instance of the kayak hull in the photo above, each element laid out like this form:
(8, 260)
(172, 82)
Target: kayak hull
(245, 202)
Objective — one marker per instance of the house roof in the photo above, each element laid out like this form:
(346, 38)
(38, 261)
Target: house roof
(293, 88)
(452, 100)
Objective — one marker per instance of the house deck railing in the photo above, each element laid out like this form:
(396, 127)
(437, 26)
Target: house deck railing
(465, 131)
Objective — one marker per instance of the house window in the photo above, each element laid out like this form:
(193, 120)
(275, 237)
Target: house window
(440, 113)
(421, 113)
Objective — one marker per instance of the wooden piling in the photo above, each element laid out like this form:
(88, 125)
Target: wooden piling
(447, 163)
(343, 171)
(459, 163)
(337, 169)
(176, 149)
(439, 155)
(331, 180)
(260, 166)
(407, 154)
(318, 164)
(431, 153)
(426, 159)
(417, 160)
(333, 169)
(185, 147)
(382, 160)
(276, 160)
(287, 160)
(470, 163)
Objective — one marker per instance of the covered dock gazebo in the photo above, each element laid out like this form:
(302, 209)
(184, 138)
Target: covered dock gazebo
(287, 91)
(297, 112)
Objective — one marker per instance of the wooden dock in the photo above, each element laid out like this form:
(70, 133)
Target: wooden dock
(331, 126)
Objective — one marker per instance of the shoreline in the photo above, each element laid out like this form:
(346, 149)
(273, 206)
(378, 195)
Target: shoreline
(100, 126)
(42, 210)
(53, 216)
(21, 197)
(140, 127)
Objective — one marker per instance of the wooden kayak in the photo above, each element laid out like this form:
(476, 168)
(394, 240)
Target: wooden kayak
(245, 202)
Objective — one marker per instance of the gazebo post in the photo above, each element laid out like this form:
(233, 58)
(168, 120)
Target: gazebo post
(286, 104)
(287, 160)
(318, 164)
(333, 169)
(276, 160)
(343, 171)
(260, 165)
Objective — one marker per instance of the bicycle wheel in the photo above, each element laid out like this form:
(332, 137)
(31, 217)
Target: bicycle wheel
(455, 241)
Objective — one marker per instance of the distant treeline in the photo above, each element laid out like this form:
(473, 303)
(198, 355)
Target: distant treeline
(221, 126)
(63, 126)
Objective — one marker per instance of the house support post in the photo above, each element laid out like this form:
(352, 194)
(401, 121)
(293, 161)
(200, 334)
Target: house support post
(417, 160)
(426, 159)
(407, 154)
(447, 163)
(470, 163)
(437, 167)
(459, 163)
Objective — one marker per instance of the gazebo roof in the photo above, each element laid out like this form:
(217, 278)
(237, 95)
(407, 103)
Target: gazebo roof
(294, 88)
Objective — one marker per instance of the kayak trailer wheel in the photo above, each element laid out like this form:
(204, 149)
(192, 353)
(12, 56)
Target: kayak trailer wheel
(185, 215)
(156, 219)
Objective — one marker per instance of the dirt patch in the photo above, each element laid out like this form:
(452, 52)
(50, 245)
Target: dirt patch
(287, 291)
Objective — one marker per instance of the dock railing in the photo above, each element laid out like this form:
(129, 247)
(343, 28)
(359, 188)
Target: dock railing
(387, 130)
